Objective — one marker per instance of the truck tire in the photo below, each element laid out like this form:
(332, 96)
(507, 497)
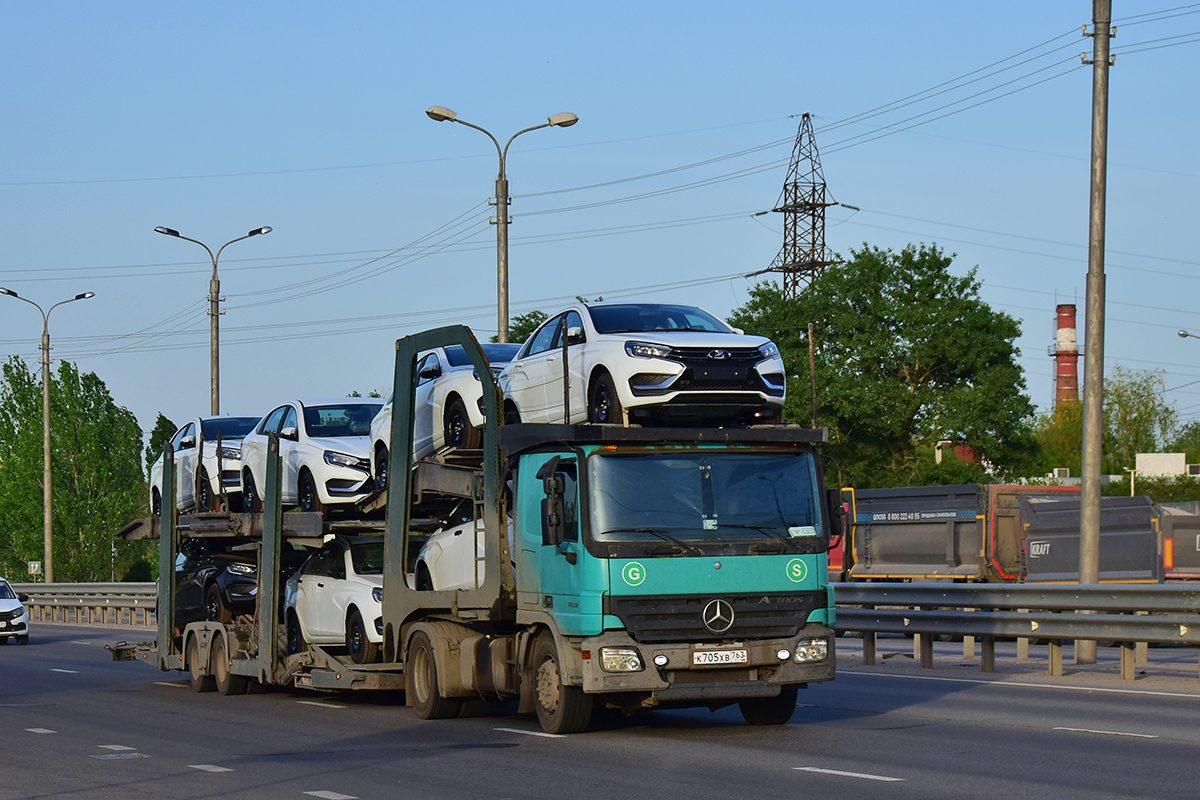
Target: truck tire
(560, 708)
(362, 650)
(770, 710)
(199, 683)
(226, 682)
(422, 683)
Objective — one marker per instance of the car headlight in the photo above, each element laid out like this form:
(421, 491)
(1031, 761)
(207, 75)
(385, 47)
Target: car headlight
(18, 612)
(231, 454)
(620, 659)
(647, 350)
(242, 569)
(377, 594)
(344, 460)
(809, 650)
(768, 350)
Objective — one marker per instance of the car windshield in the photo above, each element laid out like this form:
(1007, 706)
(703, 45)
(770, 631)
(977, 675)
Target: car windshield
(645, 317)
(227, 428)
(495, 354)
(6, 592)
(367, 557)
(703, 497)
(351, 419)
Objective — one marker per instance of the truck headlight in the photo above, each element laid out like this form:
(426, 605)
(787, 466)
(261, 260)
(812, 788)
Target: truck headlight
(810, 650)
(377, 594)
(647, 350)
(620, 659)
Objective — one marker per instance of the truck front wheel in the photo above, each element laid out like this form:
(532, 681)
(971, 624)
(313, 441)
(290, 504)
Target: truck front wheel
(770, 710)
(422, 688)
(560, 708)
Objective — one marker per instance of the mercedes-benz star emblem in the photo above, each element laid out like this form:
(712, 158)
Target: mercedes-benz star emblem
(717, 616)
(718, 354)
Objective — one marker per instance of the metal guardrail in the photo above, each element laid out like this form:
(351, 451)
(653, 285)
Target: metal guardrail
(125, 604)
(1130, 615)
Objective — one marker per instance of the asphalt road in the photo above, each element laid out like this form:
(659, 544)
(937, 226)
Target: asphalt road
(74, 724)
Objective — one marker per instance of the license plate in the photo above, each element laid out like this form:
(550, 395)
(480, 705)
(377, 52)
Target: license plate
(711, 658)
(3, 624)
(721, 373)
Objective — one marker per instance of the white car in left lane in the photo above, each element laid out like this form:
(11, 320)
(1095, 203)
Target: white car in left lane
(14, 619)
(337, 598)
(199, 491)
(325, 451)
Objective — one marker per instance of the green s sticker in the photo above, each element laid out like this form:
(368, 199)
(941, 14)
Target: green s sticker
(797, 571)
(633, 573)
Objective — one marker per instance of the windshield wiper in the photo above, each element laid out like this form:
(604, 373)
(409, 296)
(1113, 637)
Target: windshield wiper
(660, 533)
(767, 531)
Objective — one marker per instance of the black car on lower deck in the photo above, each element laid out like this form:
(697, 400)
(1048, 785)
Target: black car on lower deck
(216, 578)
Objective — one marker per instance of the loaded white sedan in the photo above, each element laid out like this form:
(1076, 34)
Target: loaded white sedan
(447, 409)
(325, 448)
(196, 476)
(337, 598)
(644, 361)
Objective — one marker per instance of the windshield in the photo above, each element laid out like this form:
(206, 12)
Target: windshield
(681, 499)
(6, 592)
(641, 317)
(495, 354)
(227, 428)
(367, 557)
(341, 420)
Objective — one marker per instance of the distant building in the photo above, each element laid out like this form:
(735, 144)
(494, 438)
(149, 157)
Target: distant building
(1164, 465)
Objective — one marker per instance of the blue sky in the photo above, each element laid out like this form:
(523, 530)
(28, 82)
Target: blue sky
(219, 117)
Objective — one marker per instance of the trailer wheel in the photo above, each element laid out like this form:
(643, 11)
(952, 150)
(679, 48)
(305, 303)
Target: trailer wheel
(214, 606)
(560, 709)
(226, 682)
(362, 650)
(458, 431)
(422, 684)
(770, 710)
(199, 683)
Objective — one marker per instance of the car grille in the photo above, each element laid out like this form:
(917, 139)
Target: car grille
(675, 618)
(702, 354)
(690, 384)
(5, 616)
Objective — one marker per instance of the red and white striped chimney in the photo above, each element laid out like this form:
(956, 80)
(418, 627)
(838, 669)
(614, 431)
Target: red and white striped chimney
(1066, 357)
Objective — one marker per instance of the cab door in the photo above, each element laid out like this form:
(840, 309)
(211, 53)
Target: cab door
(561, 580)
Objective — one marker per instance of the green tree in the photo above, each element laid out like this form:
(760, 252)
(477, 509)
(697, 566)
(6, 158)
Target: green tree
(907, 354)
(1060, 438)
(523, 325)
(1136, 418)
(162, 432)
(1187, 440)
(96, 453)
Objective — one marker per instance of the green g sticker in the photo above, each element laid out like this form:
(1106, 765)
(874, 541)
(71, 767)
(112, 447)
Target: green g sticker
(796, 570)
(633, 573)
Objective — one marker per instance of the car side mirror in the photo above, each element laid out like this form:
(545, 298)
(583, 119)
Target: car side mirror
(24, 598)
(575, 335)
(431, 372)
(187, 443)
(837, 515)
(289, 433)
(738, 331)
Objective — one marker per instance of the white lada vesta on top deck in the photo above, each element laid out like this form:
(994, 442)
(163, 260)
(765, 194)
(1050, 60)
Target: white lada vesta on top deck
(325, 450)
(647, 360)
(198, 492)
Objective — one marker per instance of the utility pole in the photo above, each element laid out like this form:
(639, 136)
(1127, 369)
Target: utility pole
(1093, 379)
(802, 202)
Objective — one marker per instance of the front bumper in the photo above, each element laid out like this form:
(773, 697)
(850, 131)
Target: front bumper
(679, 681)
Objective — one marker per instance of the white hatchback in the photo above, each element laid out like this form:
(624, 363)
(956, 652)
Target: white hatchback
(337, 598)
(325, 448)
(190, 487)
(645, 361)
(14, 619)
(447, 409)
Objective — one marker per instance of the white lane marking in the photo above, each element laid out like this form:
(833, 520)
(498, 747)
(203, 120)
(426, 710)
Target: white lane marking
(170, 683)
(119, 756)
(1107, 733)
(532, 733)
(210, 768)
(116, 747)
(1018, 683)
(67, 671)
(849, 774)
(318, 704)
(79, 643)
(326, 795)
(40, 730)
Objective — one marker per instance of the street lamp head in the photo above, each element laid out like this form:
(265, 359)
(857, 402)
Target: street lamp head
(8, 292)
(257, 231)
(85, 295)
(1183, 334)
(564, 120)
(440, 114)
(166, 231)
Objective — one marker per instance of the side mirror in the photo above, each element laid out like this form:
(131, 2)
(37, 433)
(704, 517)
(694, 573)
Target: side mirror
(553, 511)
(24, 598)
(837, 515)
(738, 331)
(575, 335)
(289, 433)
(431, 372)
(187, 443)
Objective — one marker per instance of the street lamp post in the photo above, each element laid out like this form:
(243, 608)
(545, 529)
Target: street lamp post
(214, 306)
(47, 491)
(563, 120)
